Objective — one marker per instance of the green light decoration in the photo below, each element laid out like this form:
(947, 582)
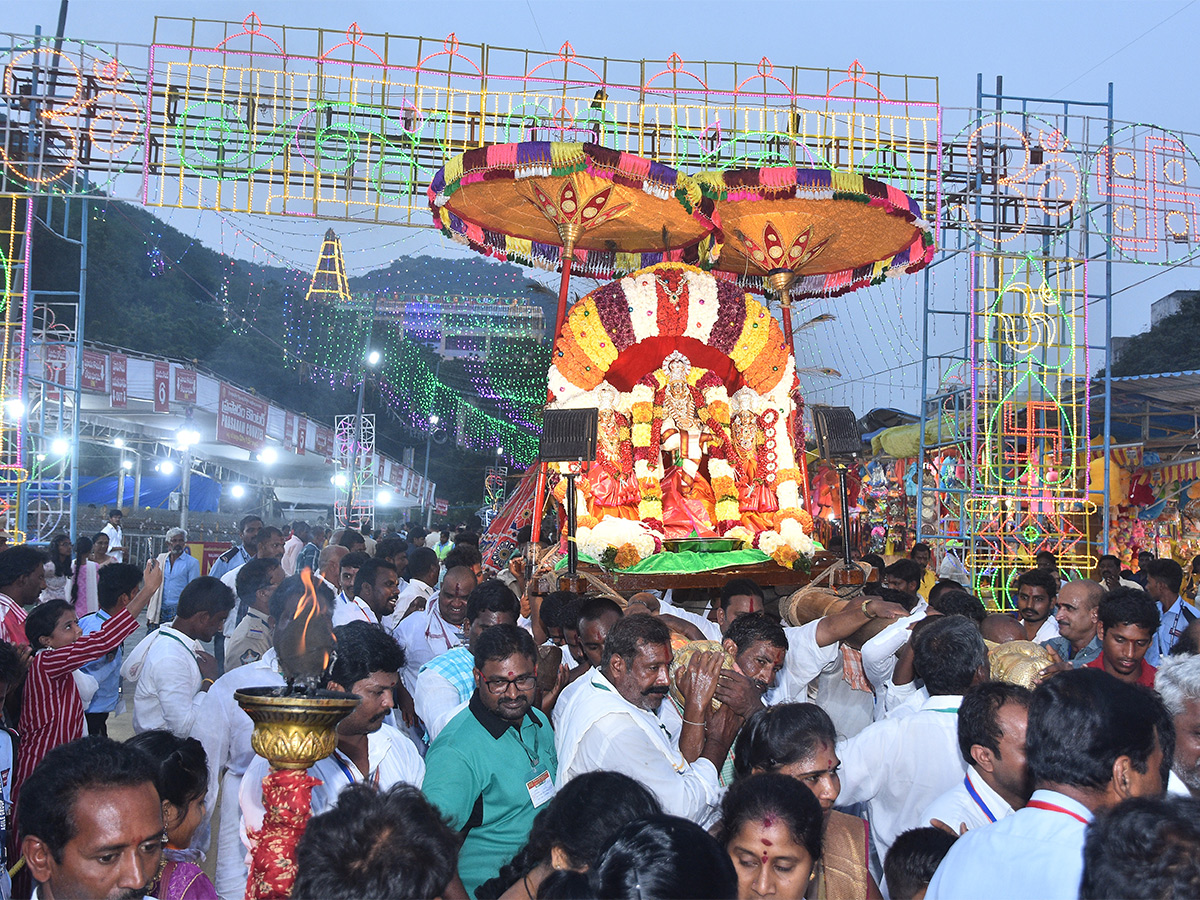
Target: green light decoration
(329, 342)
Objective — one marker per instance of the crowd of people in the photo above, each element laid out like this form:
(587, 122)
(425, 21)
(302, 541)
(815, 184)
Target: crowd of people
(515, 744)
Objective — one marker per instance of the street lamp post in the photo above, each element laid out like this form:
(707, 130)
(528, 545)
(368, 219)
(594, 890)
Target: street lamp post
(370, 361)
(186, 437)
(433, 421)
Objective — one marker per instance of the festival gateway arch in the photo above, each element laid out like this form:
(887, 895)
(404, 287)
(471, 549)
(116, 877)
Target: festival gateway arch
(1032, 204)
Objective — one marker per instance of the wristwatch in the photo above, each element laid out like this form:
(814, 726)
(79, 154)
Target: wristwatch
(866, 612)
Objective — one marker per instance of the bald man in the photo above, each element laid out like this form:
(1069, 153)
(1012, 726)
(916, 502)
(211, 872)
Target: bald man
(1000, 628)
(1078, 615)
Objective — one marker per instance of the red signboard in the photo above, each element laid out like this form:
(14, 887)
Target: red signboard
(185, 385)
(325, 442)
(207, 553)
(441, 507)
(241, 419)
(120, 380)
(95, 371)
(301, 435)
(162, 388)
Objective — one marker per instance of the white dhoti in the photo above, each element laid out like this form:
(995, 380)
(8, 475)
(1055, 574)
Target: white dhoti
(231, 855)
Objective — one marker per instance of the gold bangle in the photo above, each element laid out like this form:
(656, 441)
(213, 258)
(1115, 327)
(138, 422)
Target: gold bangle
(687, 722)
(866, 612)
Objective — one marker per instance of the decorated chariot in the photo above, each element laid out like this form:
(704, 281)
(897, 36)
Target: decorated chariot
(700, 459)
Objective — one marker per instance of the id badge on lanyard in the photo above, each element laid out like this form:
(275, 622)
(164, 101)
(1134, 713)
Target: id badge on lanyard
(537, 780)
(540, 786)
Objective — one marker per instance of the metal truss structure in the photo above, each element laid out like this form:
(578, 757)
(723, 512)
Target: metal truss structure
(1034, 202)
(356, 468)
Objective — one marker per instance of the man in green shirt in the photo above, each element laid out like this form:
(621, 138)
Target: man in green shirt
(493, 766)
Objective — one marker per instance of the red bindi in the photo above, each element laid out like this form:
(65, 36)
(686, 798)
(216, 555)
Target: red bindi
(766, 843)
(510, 674)
(764, 859)
(768, 820)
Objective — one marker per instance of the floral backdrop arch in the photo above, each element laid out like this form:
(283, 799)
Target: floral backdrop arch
(694, 380)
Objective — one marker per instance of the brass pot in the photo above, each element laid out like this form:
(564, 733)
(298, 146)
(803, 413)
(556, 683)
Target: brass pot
(293, 731)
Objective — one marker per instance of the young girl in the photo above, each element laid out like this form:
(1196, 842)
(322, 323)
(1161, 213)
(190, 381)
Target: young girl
(85, 580)
(51, 710)
(182, 783)
(58, 569)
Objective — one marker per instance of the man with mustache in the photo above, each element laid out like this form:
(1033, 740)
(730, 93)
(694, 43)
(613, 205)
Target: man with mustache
(614, 723)
(369, 751)
(1036, 590)
(91, 822)
(493, 766)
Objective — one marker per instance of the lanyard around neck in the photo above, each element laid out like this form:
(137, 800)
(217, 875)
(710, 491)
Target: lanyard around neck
(1051, 807)
(343, 764)
(978, 800)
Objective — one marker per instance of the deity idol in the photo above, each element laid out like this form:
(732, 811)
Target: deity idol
(753, 448)
(688, 499)
(610, 487)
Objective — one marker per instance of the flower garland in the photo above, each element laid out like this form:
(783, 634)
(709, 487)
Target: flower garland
(617, 543)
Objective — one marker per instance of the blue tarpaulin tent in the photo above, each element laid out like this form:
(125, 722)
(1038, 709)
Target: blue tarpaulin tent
(203, 493)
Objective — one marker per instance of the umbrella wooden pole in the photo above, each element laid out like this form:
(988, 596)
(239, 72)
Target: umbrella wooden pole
(563, 284)
(539, 500)
(781, 282)
(569, 232)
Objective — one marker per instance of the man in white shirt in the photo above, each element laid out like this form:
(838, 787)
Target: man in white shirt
(991, 736)
(270, 546)
(116, 537)
(439, 628)
(292, 547)
(879, 653)
(596, 618)
(1092, 742)
(91, 821)
(614, 724)
(169, 669)
(224, 729)
(369, 751)
(347, 571)
(446, 682)
(739, 596)
(812, 648)
(373, 595)
(899, 766)
(1178, 681)
(329, 566)
(1036, 590)
(425, 570)
(1108, 573)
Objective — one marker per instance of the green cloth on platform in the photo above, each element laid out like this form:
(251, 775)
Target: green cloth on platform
(668, 563)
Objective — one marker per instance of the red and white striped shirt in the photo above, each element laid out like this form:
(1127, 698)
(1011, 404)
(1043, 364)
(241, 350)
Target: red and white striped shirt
(12, 621)
(51, 709)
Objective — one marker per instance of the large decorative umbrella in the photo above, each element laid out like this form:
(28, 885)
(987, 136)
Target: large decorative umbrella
(807, 232)
(561, 205)
(552, 204)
